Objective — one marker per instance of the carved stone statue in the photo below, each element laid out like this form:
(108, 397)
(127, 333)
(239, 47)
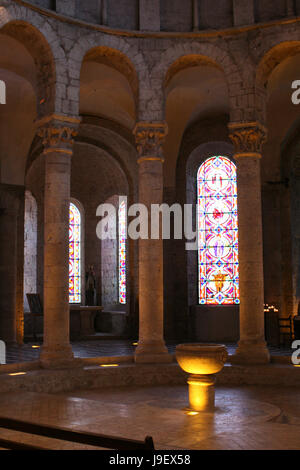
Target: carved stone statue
(90, 283)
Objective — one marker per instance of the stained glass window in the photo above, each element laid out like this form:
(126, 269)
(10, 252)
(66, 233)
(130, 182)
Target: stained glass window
(218, 232)
(122, 252)
(74, 254)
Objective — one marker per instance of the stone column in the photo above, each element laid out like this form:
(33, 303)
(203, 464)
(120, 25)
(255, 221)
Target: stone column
(103, 12)
(151, 347)
(195, 16)
(290, 8)
(10, 204)
(248, 139)
(57, 133)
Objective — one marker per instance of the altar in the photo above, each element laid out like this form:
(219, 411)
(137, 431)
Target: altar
(82, 320)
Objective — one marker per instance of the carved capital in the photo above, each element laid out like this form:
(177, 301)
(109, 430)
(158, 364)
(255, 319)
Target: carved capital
(247, 138)
(58, 133)
(149, 139)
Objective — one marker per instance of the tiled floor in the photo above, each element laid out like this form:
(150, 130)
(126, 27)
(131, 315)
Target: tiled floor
(99, 348)
(245, 417)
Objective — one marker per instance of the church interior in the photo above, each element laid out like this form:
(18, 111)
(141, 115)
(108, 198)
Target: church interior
(107, 105)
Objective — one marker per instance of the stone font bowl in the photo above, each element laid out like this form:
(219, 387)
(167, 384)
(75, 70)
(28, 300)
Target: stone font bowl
(201, 359)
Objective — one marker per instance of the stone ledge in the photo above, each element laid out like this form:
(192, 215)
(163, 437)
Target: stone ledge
(92, 376)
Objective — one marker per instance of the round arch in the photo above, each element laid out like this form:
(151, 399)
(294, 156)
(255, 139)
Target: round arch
(183, 56)
(271, 58)
(118, 54)
(40, 50)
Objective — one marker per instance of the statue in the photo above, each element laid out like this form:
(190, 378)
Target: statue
(90, 285)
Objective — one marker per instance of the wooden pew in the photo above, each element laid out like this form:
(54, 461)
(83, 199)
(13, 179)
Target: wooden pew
(53, 432)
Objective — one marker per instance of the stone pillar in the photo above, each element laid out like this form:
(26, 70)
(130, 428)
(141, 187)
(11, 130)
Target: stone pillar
(243, 12)
(248, 139)
(57, 133)
(195, 16)
(151, 347)
(149, 15)
(290, 8)
(103, 12)
(20, 269)
(10, 206)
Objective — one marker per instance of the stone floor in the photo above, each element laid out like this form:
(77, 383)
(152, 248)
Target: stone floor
(248, 417)
(101, 348)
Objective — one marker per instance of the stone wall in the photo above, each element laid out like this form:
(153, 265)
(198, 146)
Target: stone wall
(266, 10)
(106, 163)
(215, 14)
(123, 14)
(89, 11)
(49, 4)
(175, 15)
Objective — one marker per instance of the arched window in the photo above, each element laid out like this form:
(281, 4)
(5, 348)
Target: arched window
(218, 232)
(74, 254)
(122, 252)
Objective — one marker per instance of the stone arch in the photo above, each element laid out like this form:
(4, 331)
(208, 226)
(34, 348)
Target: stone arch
(40, 50)
(109, 137)
(188, 55)
(267, 58)
(208, 52)
(272, 57)
(41, 41)
(198, 135)
(116, 59)
(186, 61)
(117, 53)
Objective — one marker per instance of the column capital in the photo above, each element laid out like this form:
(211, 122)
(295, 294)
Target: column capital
(57, 133)
(149, 137)
(247, 138)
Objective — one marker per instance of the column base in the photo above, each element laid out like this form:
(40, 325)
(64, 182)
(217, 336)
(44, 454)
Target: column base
(251, 352)
(202, 392)
(151, 353)
(58, 358)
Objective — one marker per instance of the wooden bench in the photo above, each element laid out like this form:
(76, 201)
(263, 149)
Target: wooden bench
(54, 432)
